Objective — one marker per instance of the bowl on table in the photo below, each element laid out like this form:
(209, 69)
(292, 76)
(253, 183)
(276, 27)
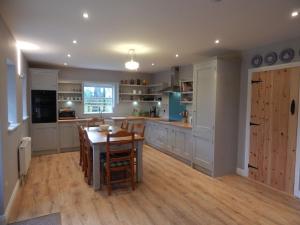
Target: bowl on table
(104, 127)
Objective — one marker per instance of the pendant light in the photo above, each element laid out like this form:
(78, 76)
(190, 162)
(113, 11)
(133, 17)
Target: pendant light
(132, 65)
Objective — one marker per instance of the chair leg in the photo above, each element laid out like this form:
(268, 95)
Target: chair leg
(108, 183)
(132, 176)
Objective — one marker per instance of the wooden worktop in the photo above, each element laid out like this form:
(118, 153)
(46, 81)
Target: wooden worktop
(155, 119)
(74, 120)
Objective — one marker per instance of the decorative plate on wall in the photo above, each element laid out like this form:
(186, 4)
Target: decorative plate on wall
(257, 60)
(271, 58)
(287, 55)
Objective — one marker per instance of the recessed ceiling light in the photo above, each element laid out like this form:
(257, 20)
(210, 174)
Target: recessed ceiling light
(69, 55)
(295, 13)
(65, 64)
(85, 15)
(152, 64)
(74, 41)
(176, 55)
(217, 41)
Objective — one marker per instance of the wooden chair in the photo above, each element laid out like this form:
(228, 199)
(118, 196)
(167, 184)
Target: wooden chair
(87, 159)
(124, 125)
(138, 128)
(81, 141)
(119, 157)
(95, 122)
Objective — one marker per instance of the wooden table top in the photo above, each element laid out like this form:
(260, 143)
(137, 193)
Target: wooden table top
(100, 137)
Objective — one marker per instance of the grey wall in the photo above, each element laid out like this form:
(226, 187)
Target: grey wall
(121, 109)
(9, 140)
(246, 65)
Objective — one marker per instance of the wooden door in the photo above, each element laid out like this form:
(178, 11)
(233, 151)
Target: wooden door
(273, 127)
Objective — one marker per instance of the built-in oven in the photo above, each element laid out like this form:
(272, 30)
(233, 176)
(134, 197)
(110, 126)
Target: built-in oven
(43, 106)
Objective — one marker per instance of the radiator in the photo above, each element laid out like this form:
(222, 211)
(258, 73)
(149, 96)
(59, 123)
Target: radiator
(24, 157)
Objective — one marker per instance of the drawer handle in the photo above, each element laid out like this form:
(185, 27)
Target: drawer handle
(293, 107)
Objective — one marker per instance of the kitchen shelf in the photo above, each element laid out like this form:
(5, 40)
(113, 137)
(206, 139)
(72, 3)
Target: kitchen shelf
(186, 92)
(131, 94)
(70, 82)
(130, 101)
(141, 85)
(69, 100)
(69, 92)
(186, 102)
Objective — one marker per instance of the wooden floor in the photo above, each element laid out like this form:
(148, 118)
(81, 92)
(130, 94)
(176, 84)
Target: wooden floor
(171, 193)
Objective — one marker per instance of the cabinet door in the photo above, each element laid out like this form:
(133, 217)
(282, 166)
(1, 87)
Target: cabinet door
(44, 137)
(76, 141)
(43, 79)
(205, 83)
(66, 135)
(188, 145)
(179, 137)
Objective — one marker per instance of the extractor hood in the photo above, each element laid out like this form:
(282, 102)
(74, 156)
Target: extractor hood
(174, 87)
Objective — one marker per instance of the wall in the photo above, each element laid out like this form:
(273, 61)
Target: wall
(246, 65)
(185, 73)
(9, 140)
(121, 109)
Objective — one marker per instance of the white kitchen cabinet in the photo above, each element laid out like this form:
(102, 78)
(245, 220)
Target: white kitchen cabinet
(44, 137)
(43, 79)
(68, 136)
(215, 115)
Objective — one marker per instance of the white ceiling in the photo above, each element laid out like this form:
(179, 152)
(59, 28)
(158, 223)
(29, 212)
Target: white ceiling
(163, 27)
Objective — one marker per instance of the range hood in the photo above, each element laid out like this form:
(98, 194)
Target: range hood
(174, 87)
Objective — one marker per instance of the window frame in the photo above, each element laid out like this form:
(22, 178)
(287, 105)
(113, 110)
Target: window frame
(100, 84)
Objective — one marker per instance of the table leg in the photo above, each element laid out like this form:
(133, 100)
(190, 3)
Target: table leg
(96, 167)
(139, 161)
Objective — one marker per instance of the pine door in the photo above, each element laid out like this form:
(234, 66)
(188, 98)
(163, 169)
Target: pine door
(273, 127)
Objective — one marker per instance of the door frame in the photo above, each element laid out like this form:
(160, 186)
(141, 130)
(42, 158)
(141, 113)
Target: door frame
(247, 123)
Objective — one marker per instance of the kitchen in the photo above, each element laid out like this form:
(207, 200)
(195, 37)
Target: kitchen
(211, 118)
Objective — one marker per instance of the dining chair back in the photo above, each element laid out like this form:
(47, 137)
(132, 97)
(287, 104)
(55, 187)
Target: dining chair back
(87, 159)
(119, 157)
(124, 125)
(81, 144)
(138, 128)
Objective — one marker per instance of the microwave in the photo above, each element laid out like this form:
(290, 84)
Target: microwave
(66, 114)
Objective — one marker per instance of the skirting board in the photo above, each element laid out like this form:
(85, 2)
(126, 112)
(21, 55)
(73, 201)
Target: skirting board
(3, 218)
(241, 172)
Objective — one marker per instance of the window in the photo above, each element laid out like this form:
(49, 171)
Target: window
(24, 97)
(11, 94)
(98, 98)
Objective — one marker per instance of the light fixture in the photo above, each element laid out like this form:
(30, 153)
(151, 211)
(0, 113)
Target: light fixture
(65, 64)
(132, 65)
(134, 103)
(22, 45)
(85, 15)
(69, 103)
(74, 41)
(217, 41)
(69, 55)
(176, 55)
(152, 64)
(159, 103)
(295, 14)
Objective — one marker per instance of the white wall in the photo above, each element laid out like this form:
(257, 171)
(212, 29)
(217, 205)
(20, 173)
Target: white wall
(9, 140)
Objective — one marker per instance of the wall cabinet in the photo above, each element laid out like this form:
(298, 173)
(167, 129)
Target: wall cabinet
(215, 115)
(43, 79)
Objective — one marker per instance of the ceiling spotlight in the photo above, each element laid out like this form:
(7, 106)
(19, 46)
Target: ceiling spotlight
(295, 13)
(152, 64)
(74, 41)
(176, 55)
(217, 41)
(69, 55)
(85, 15)
(65, 64)
(132, 65)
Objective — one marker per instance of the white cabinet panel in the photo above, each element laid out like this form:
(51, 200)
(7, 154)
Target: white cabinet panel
(44, 137)
(66, 135)
(43, 79)
(203, 152)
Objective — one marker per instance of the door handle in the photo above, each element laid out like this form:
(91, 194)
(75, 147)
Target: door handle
(293, 107)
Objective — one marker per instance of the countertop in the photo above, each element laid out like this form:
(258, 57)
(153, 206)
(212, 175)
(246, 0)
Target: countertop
(74, 120)
(155, 119)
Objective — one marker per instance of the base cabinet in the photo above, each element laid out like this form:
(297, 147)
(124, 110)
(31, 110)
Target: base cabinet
(68, 136)
(44, 137)
(170, 139)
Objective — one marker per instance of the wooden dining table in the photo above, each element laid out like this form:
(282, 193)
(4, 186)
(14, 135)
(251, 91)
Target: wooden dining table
(98, 140)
